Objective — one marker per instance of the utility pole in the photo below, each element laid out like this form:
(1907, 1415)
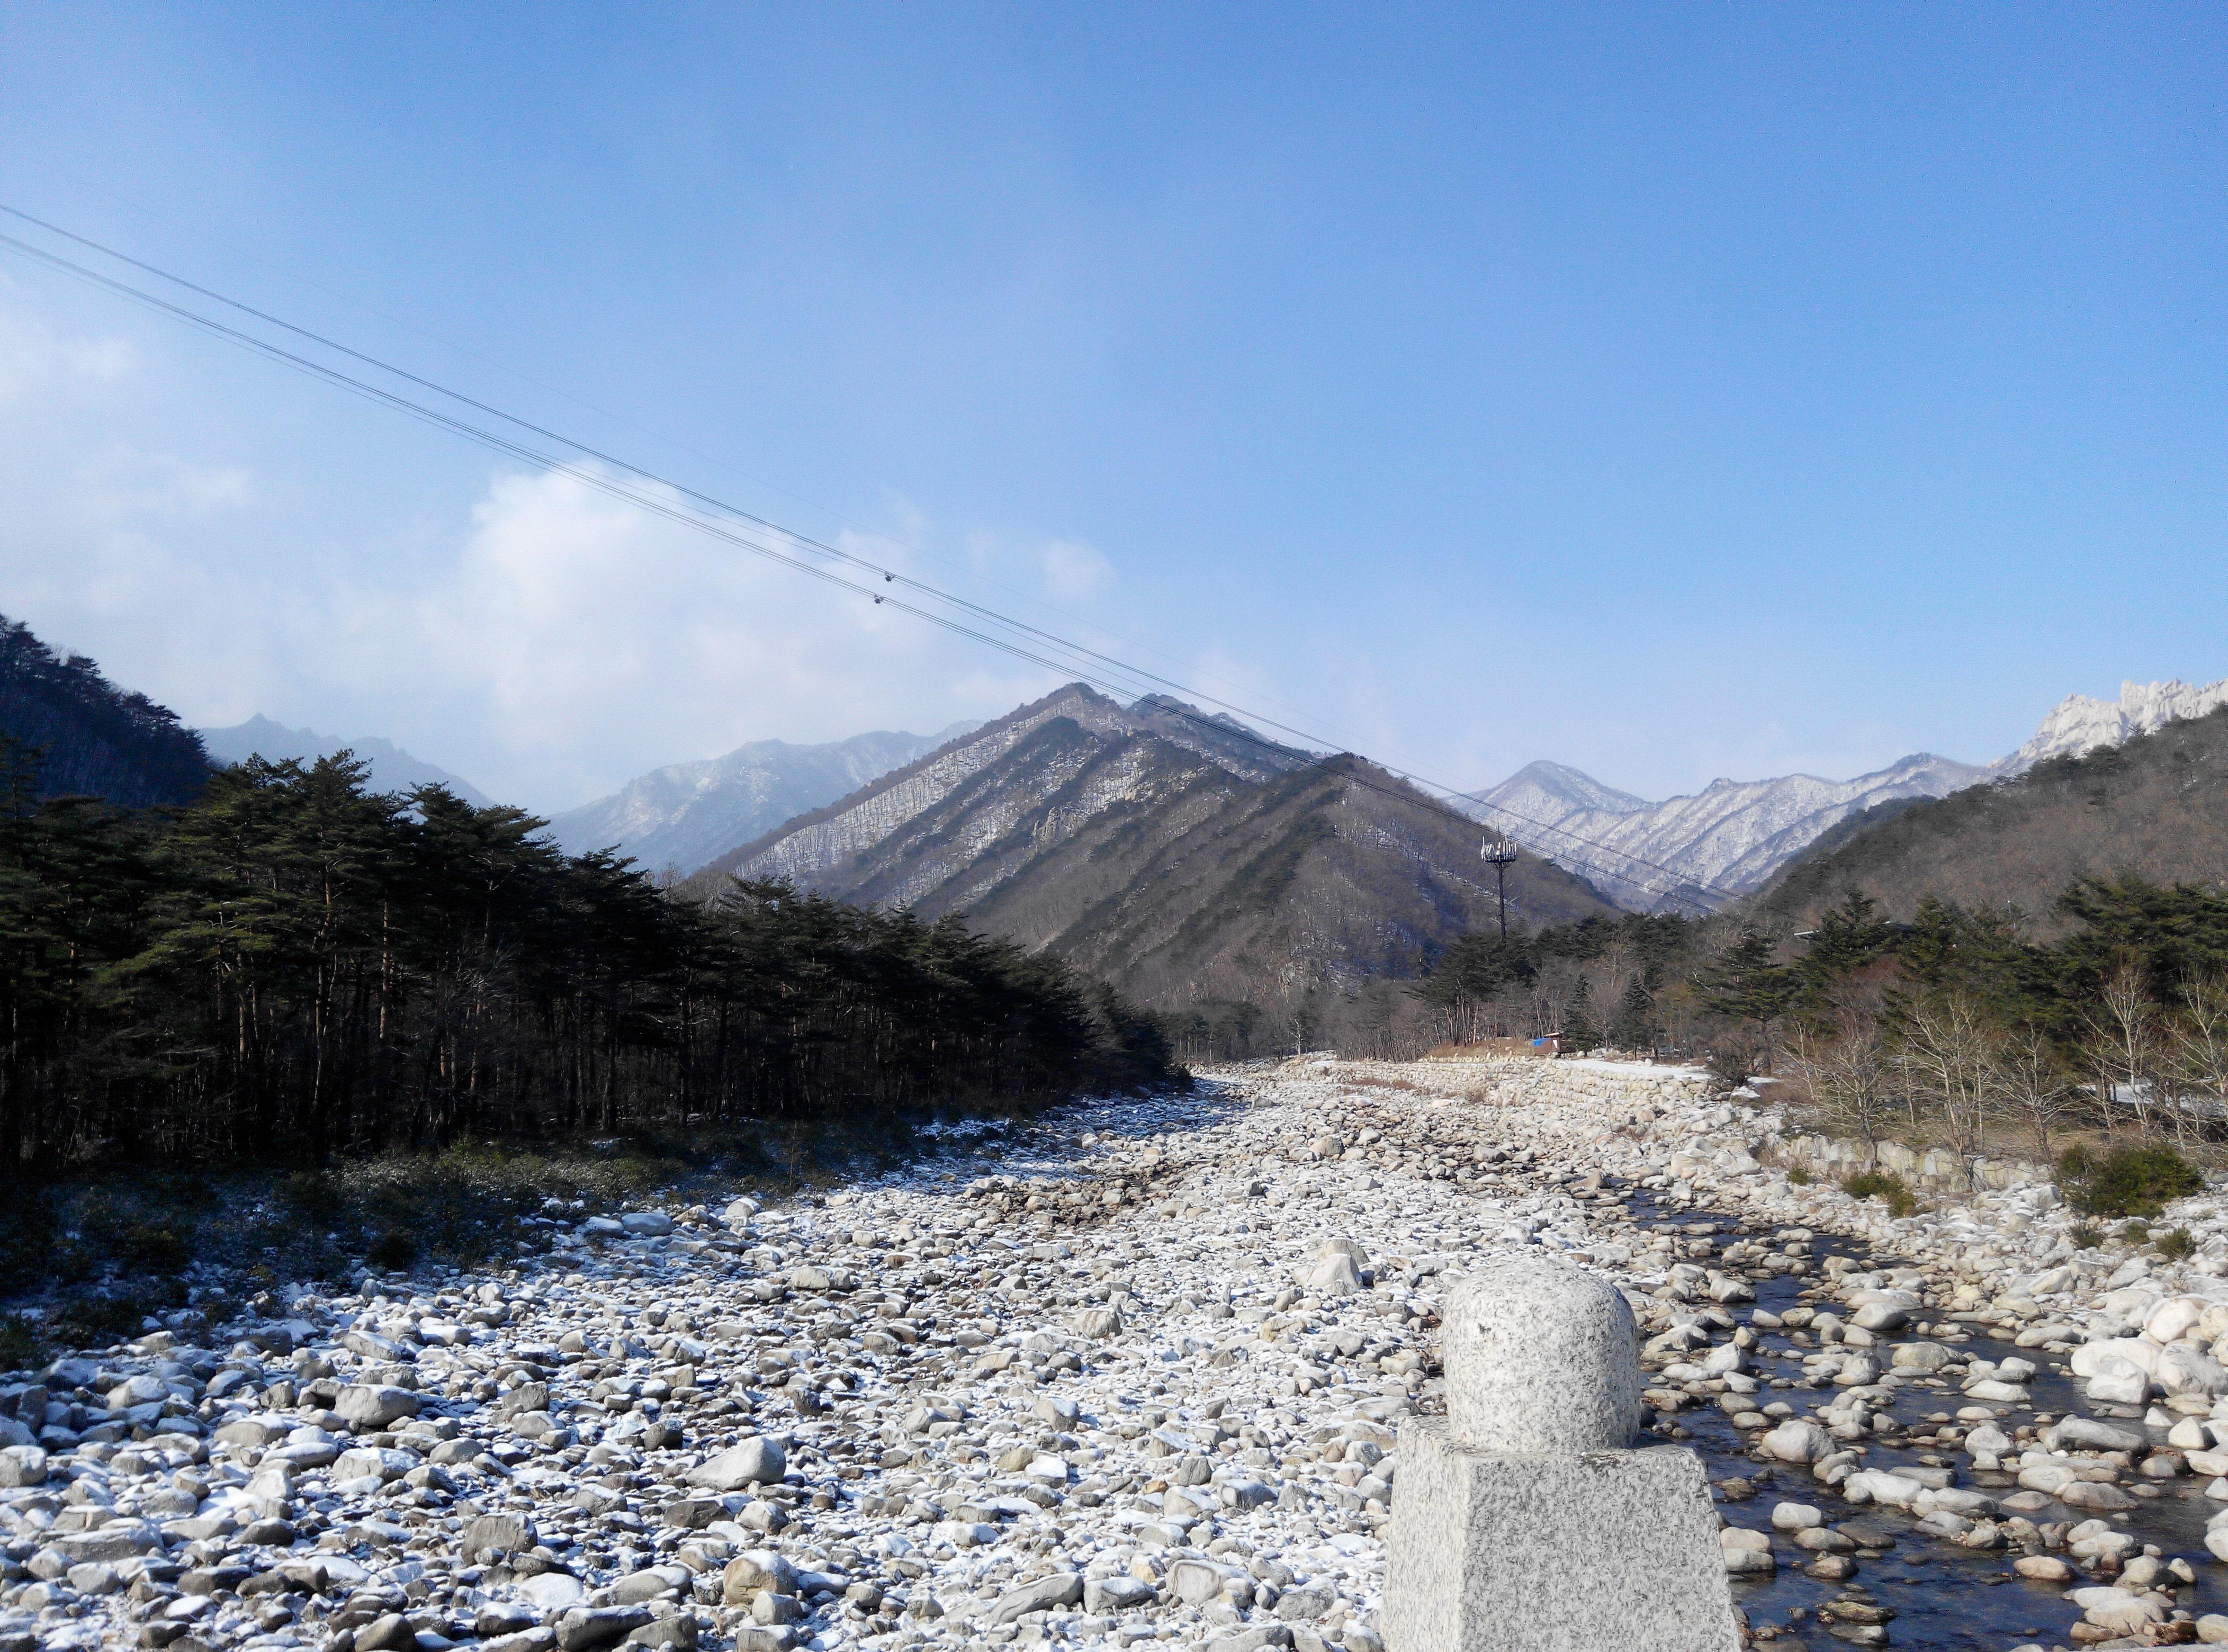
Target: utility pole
(1499, 851)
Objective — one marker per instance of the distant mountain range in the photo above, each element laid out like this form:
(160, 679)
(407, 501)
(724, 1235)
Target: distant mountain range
(689, 813)
(88, 737)
(2155, 804)
(1192, 861)
(1695, 853)
(1177, 855)
(392, 769)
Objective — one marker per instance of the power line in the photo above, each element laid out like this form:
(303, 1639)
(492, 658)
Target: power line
(694, 519)
(589, 476)
(155, 270)
(1029, 643)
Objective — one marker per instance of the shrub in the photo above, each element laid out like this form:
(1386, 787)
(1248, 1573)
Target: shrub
(20, 1344)
(2175, 1245)
(95, 1318)
(1801, 1177)
(393, 1251)
(153, 1248)
(1731, 1066)
(313, 1194)
(2086, 1236)
(1884, 1185)
(2134, 1181)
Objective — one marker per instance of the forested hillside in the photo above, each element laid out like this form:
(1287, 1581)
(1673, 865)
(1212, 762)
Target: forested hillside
(80, 735)
(295, 966)
(2156, 807)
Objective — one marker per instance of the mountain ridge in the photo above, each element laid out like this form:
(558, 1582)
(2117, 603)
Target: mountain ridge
(84, 736)
(821, 838)
(1183, 860)
(1733, 837)
(2154, 805)
(392, 769)
(1725, 840)
(686, 814)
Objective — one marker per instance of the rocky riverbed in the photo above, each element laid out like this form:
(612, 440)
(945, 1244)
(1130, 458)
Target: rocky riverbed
(1134, 1373)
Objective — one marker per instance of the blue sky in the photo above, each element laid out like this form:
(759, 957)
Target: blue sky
(1673, 393)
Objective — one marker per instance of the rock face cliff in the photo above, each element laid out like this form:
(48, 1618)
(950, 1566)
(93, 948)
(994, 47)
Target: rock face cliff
(2155, 805)
(1175, 854)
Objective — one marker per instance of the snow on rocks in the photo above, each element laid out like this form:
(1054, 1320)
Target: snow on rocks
(935, 1410)
(1132, 1374)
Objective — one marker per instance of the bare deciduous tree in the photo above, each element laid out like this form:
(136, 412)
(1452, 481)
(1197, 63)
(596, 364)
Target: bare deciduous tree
(1618, 963)
(1946, 1055)
(2195, 1068)
(2033, 1088)
(1847, 1075)
(2123, 1044)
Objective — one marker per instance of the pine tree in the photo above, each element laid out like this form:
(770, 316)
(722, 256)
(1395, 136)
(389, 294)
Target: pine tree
(1635, 1029)
(1578, 1020)
(1849, 940)
(1745, 984)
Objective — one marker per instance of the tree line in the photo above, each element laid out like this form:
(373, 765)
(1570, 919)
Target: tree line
(294, 966)
(1620, 982)
(1947, 1027)
(1959, 1023)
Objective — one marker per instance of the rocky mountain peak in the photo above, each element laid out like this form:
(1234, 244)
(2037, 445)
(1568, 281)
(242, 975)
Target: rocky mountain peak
(2079, 723)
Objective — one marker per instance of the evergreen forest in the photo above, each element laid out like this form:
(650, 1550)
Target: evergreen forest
(292, 967)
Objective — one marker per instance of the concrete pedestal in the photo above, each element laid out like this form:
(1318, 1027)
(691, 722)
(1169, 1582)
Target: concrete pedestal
(1606, 1549)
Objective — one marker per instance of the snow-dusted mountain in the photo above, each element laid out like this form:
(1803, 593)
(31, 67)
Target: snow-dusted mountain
(2078, 724)
(818, 849)
(1180, 855)
(392, 769)
(1551, 793)
(689, 813)
(1693, 851)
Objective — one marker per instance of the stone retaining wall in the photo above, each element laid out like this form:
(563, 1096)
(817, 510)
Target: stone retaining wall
(1837, 1158)
(1505, 1080)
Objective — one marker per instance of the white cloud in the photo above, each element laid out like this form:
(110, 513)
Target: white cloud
(124, 484)
(1072, 571)
(548, 648)
(548, 644)
(86, 551)
(588, 639)
(36, 360)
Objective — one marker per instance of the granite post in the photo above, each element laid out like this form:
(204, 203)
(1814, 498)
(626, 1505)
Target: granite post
(1523, 1521)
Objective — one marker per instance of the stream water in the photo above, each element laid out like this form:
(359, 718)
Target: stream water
(1941, 1594)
